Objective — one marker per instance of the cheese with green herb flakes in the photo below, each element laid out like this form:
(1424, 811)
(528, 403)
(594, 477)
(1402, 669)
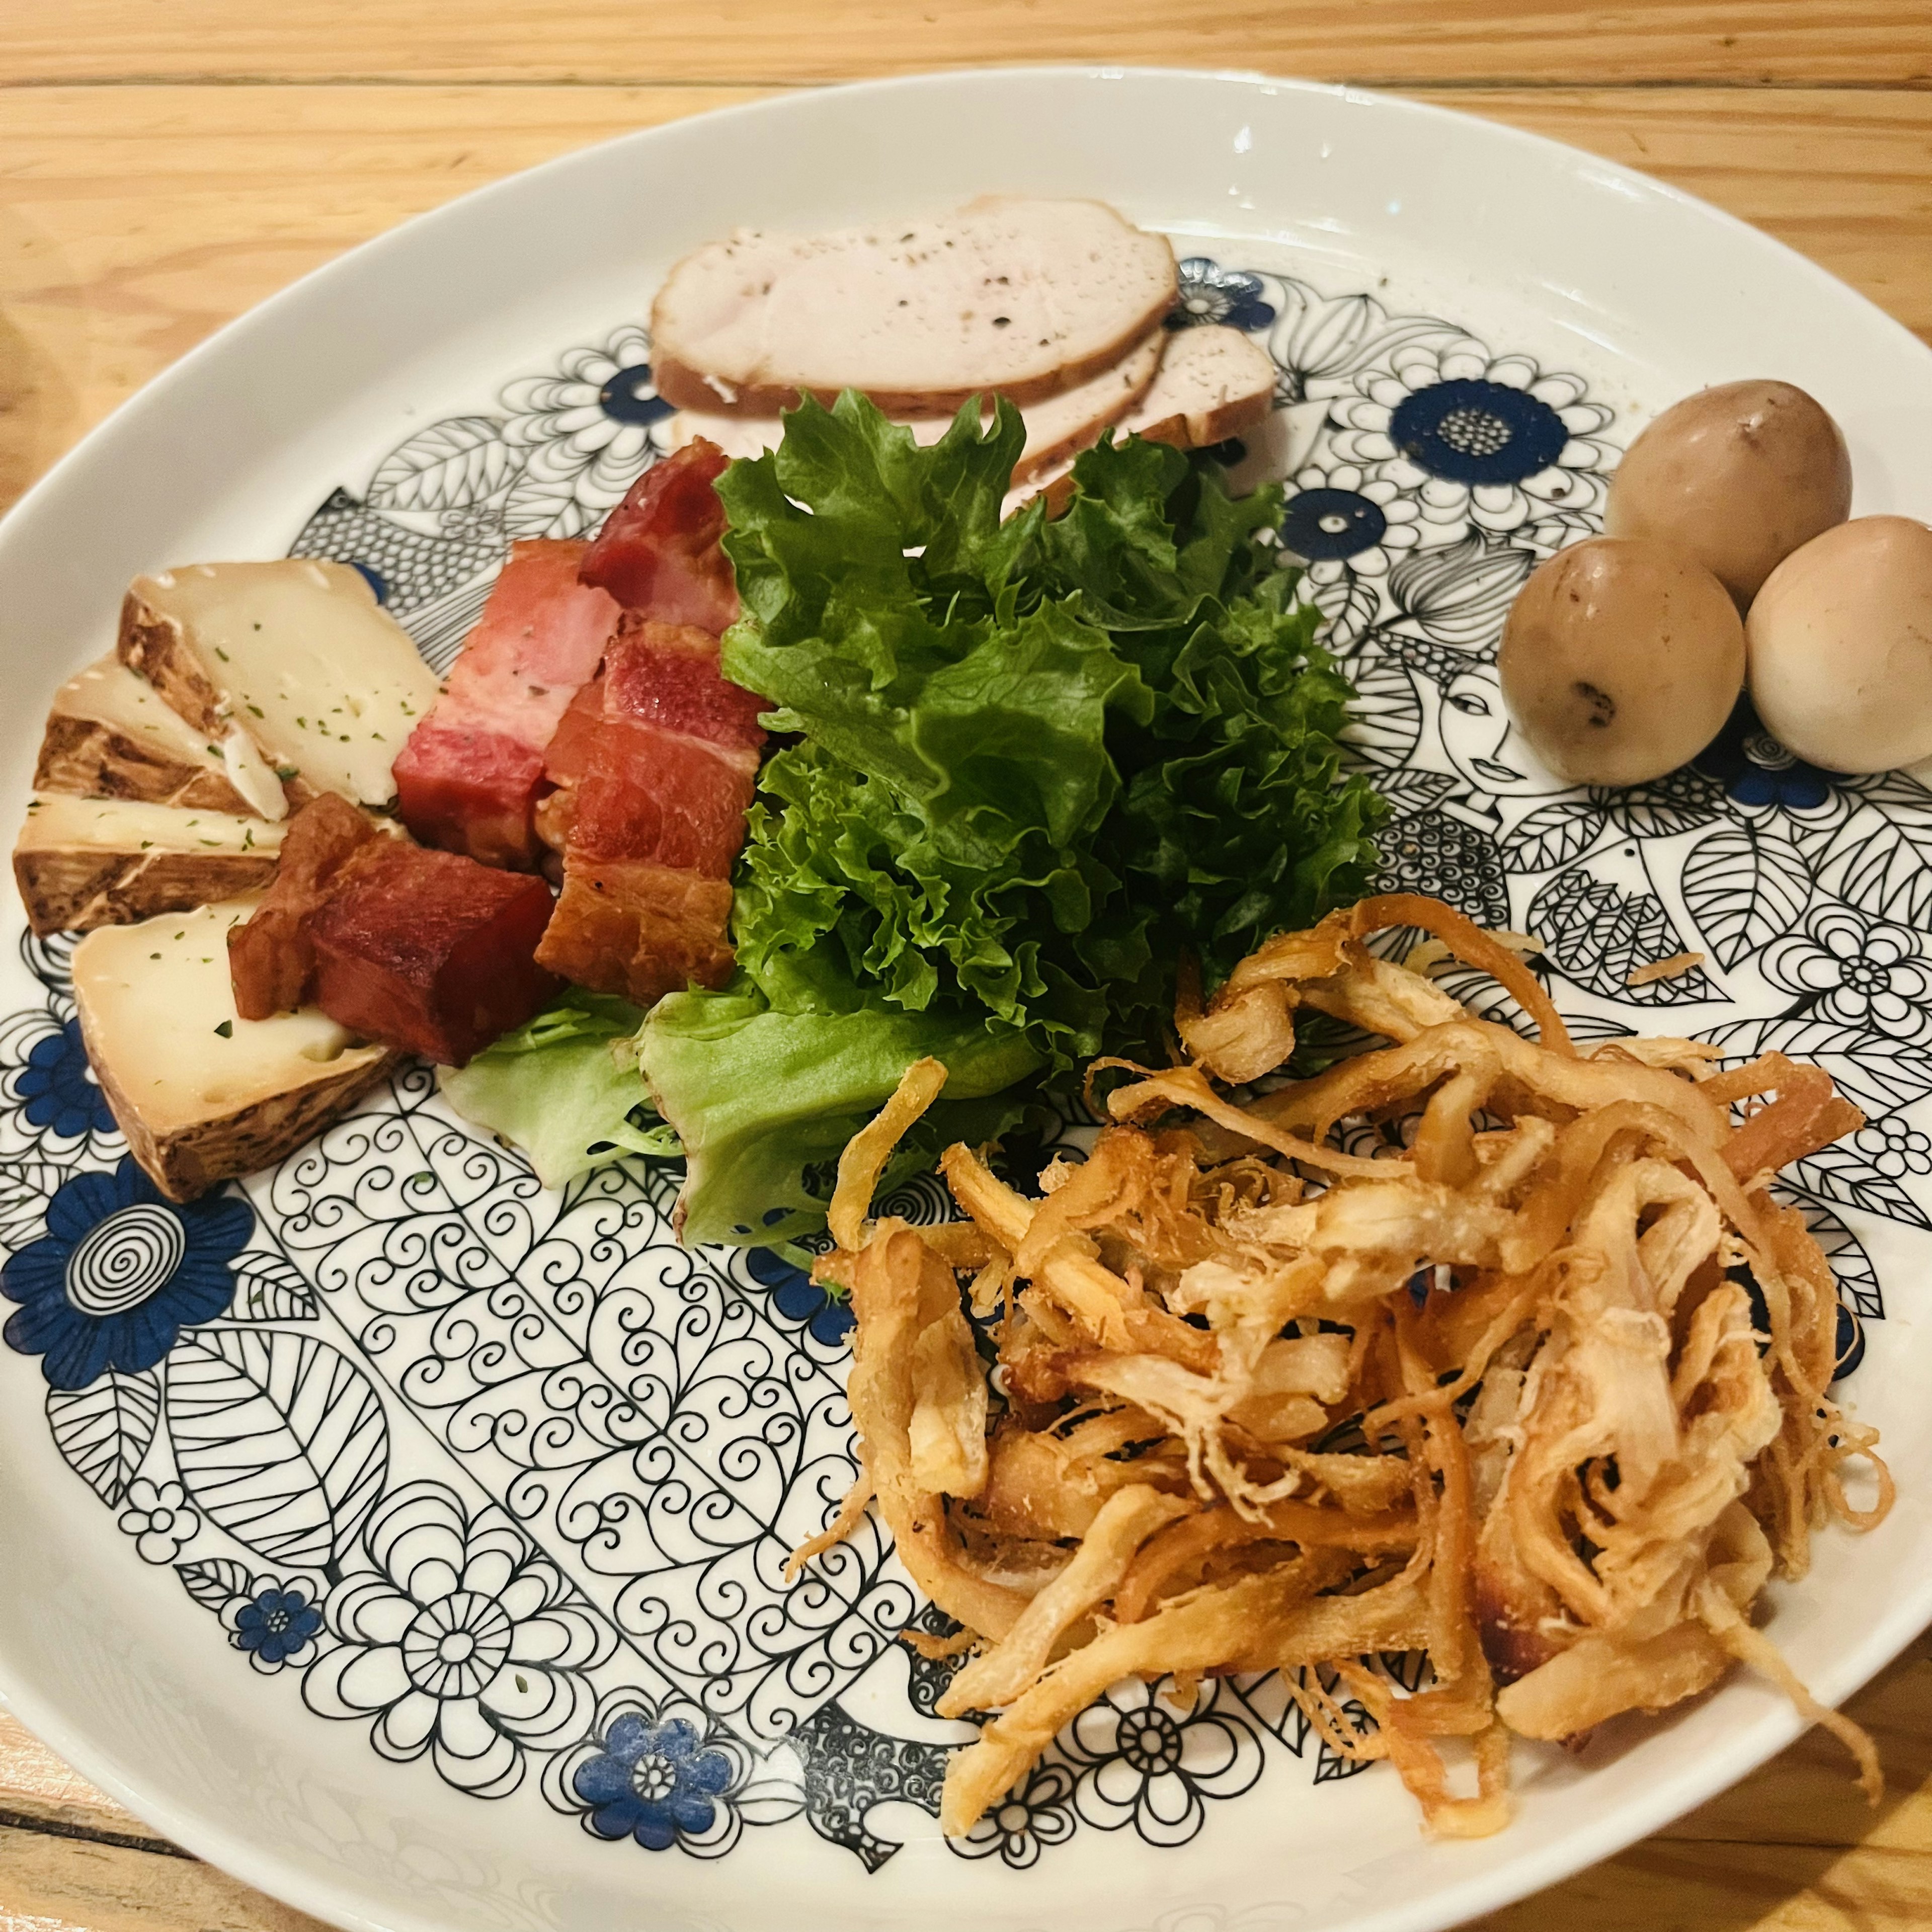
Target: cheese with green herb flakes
(81, 863)
(202, 1094)
(292, 668)
(109, 735)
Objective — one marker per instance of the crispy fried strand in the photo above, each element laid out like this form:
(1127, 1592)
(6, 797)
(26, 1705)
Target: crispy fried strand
(867, 1152)
(1444, 1350)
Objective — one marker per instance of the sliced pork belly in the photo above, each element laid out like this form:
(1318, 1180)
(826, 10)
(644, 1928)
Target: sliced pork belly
(428, 951)
(270, 959)
(469, 777)
(655, 767)
(659, 552)
(639, 930)
(666, 674)
(431, 951)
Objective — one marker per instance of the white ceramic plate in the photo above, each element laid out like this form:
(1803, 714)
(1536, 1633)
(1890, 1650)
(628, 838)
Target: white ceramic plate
(466, 1614)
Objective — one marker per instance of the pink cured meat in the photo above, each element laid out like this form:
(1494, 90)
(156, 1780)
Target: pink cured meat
(656, 758)
(470, 776)
(659, 551)
(654, 763)
(668, 675)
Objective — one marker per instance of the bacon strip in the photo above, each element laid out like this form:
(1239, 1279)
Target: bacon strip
(429, 951)
(469, 777)
(659, 551)
(655, 767)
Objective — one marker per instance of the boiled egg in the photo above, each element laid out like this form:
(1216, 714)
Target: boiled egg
(1840, 642)
(1739, 476)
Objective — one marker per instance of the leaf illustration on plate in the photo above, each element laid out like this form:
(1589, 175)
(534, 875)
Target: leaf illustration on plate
(1554, 835)
(1593, 1029)
(1599, 933)
(1680, 801)
(1883, 865)
(1841, 1173)
(1897, 792)
(1745, 884)
(1858, 1279)
(450, 465)
(103, 1430)
(1873, 1071)
(281, 1440)
(1349, 603)
(25, 1188)
(1410, 792)
(268, 1287)
(1385, 720)
(215, 1582)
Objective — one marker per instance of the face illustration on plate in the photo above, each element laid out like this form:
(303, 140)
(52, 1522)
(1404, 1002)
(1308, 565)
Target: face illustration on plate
(1484, 745)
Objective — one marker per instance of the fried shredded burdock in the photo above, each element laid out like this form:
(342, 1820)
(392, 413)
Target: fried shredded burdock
(1539, 1392)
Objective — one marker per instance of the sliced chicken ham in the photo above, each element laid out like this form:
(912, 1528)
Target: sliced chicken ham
(469, 777)
(1213, 383)
(1055, 429)
(1025, 297)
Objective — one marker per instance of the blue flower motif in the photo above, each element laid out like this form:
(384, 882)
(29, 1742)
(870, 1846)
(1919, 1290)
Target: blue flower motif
(795, 1296)
(118, 1274)
(59, 1087)
(1850, 1349)
(1327, 525)
(1756, 770)
(651, 1782)
(1210, 293)
(278, 1624)
(1474, 432)
(629, 396)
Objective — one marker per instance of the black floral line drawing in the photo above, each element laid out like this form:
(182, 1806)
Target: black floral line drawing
(579, 1594)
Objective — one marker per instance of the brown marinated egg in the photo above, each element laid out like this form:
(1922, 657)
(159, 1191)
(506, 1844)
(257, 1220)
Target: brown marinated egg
(1622, 659)
(1840, 647)
(1739, 476)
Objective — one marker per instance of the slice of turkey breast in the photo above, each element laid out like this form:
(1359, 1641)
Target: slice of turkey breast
(1213, 383)
(1025, 298)
(1055, 429)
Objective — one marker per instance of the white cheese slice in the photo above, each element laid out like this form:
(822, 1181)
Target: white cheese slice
(201, 1093)
(81, 862)
(110, 734)
(109, 693)
(294, 664)
(161, 993)
(132, 825)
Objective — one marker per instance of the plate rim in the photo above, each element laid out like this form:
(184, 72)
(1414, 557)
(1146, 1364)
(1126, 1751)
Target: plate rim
(338, 1899)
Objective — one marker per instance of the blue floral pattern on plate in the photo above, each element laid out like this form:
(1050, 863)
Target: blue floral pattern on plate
(574, 1595)
(120, 1272)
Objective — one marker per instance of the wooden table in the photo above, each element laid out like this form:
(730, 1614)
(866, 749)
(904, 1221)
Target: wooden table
(165, 164)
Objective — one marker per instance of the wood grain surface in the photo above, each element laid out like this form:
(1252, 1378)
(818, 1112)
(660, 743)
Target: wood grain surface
(165, 164)
(742, 42)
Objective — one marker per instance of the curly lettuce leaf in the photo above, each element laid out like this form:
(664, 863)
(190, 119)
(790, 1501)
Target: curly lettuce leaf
(565, 1087)
(1237, 816)
(1040, 760)
(1034, 764)
(765, 1101)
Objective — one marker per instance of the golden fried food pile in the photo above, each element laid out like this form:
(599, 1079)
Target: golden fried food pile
(1495, 1394)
